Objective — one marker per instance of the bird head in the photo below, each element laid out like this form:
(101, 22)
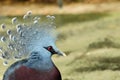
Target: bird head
(44, 41)
(54, 50)
(32, 35)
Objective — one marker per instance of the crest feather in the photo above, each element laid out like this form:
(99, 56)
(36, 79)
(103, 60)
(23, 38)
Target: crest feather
(28, 36)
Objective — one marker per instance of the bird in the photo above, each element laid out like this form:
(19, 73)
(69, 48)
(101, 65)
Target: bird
(32, 45)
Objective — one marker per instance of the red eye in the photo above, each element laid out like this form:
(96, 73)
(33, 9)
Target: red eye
(49, 48)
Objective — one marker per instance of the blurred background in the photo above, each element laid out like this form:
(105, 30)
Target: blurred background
(89, 33)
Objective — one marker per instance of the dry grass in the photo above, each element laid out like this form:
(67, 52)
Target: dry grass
(77, 32)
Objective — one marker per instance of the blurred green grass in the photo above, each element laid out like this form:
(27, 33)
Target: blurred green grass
(76, 33)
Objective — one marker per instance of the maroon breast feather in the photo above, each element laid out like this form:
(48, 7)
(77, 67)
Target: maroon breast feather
(25, 73)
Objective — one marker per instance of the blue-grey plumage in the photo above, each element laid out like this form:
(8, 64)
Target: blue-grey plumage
(10, 46)
(3, 39)
(29, 13)
(38, 63)
(30, 36)
(14, 20)
(5, 55)
(1, 49)
(3, 26)
(5, 63)
(35, 42)
(9, 32)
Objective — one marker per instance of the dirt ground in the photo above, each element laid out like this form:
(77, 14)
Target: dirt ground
(75, 8)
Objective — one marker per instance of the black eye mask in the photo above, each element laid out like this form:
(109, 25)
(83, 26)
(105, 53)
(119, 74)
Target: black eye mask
(50, 49)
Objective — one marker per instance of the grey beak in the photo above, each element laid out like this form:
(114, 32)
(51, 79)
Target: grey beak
(61, 53)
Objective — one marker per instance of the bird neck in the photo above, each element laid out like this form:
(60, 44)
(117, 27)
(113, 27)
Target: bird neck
(40, 62)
